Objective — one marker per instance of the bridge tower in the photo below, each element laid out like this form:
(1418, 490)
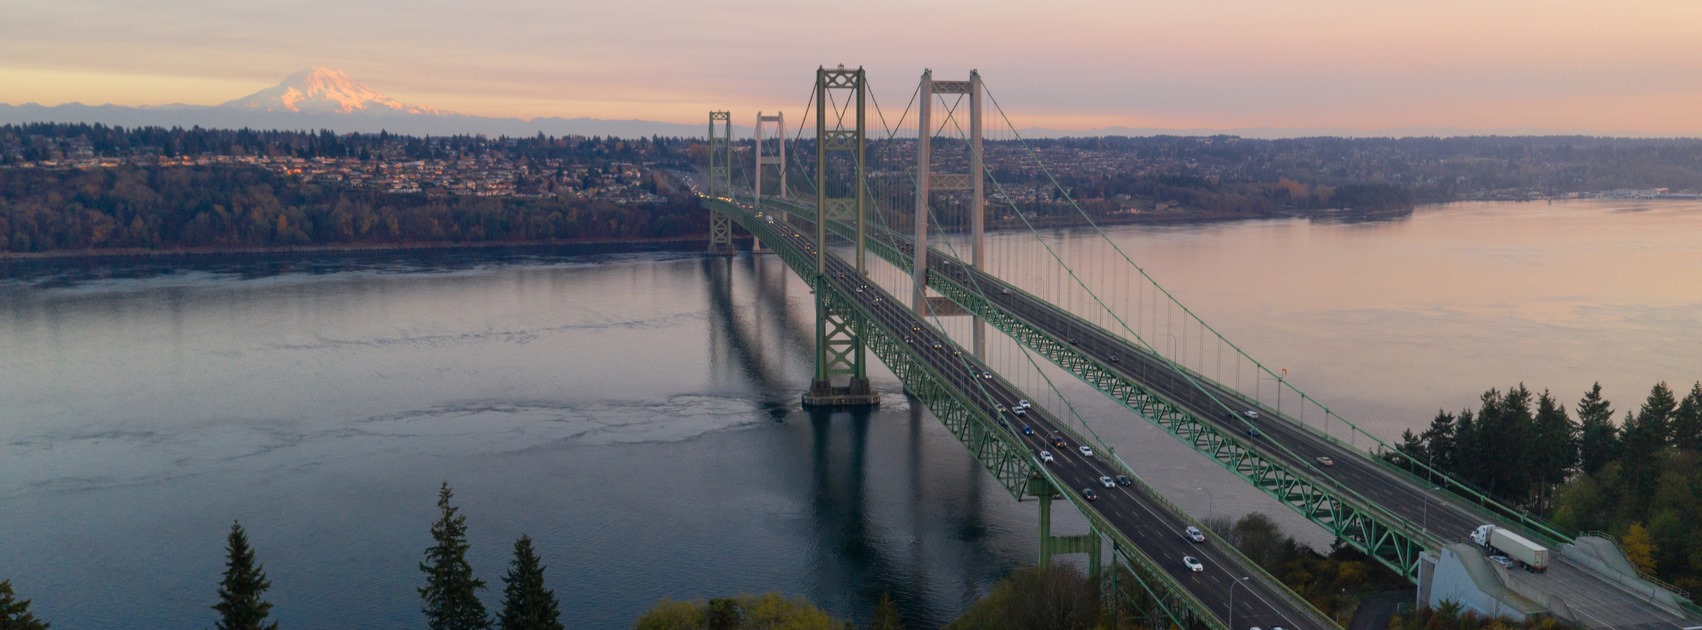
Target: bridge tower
(840, 354)
(927, 181)
(777, 160)
(720, 182)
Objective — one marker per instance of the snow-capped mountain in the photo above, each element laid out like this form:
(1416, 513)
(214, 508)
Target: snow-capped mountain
(323, 98)
(324, 91)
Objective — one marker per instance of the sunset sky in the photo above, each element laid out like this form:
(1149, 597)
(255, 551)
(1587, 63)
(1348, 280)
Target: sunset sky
(1513, 66)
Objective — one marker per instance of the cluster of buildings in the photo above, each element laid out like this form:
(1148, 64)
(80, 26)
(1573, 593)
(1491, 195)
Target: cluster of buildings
(489, 174)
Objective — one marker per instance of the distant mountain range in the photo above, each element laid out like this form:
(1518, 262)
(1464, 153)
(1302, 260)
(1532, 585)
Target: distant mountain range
(323, 98)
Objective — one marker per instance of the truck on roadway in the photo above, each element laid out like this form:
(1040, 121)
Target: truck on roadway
(1533, 556)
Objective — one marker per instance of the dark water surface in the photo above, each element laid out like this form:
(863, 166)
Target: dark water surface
(637, 414)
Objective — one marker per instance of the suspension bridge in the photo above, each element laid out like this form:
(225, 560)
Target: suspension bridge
(876, 224)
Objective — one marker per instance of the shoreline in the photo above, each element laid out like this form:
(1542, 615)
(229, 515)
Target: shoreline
(136, 253)
(635, 244)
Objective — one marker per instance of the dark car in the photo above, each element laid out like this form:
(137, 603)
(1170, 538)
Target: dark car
(1122, 480)
(1089, 494)
(1027, 430)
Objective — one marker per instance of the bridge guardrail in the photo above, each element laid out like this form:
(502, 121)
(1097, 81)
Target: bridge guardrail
(1485, 503)
(1523, 516)
(1098, 521)
(1287, 593)
(1683, 596)
(1406, 527)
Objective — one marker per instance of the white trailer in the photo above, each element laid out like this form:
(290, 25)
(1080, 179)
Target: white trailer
(1498, 539)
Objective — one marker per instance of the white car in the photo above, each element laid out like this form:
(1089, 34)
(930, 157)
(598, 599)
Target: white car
(1046, 456)
(1107, 482)
(1325, 461)
(1251, 415)
(1193, 564)
(1194, 534)
(1023, 403)
(1086, 450)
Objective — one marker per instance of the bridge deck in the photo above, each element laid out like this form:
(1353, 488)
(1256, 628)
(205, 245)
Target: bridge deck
(1142, 519)
(1592, 599)
(1595, 601)
(1569, 588)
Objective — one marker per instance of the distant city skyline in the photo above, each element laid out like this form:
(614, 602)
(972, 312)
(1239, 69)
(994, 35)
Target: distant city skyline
(1461, 67)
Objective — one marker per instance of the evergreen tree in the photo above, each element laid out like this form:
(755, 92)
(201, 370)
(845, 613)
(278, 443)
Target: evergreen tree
(1503, 443)
(724, 614)
(1645, 436)
(886, 615)
(1466, 447)
(1554, 447)
(1687, 421)
(15, 613)
(242, 603)
(526, 604)
(1658, 411)
(1415, 450)
(450, 597)
(1440, 440)
(1598, 441)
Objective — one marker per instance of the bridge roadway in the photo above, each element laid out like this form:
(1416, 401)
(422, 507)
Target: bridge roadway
(1593, 599)
(1141, 518)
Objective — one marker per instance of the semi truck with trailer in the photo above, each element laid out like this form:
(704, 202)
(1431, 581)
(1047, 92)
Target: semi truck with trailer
(1532, 556)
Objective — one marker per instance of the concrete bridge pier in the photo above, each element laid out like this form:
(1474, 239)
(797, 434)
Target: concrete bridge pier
(855, 394)
(1051, 545)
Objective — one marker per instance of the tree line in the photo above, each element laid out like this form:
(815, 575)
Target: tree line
(449, 600)
(1638, 480)
(33, 142)
(239, 206)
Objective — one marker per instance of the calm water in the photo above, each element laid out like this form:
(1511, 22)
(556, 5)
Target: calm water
(637, 414)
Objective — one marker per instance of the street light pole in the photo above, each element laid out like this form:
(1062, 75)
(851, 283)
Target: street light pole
(1231, 620)
(1258, 395)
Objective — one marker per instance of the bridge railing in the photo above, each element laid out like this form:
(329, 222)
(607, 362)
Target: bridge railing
(1294, 599)
(1099, 523)
(1684, 596)
(1492, 509)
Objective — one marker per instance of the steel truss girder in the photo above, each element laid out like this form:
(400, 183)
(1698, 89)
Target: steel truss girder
(1012, 464)
(1366, 530)
(1362, 528)
(1170, 608)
